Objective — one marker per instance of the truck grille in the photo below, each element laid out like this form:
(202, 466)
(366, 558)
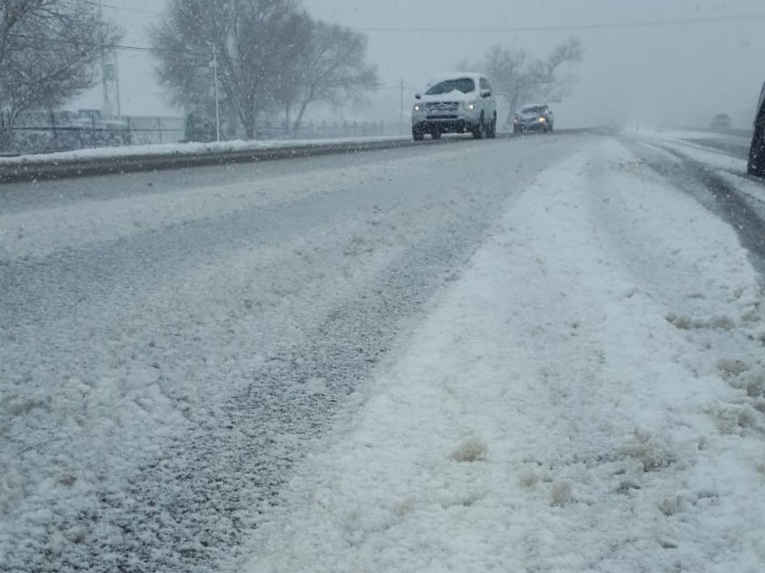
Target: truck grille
(442, 108)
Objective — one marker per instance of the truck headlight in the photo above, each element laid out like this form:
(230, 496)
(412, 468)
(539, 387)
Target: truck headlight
(470, 105)
(419, 107)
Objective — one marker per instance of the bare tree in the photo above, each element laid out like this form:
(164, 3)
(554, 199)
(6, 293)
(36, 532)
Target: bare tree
(521, 78)
(49, 52)
(254, 41)
(332, 68)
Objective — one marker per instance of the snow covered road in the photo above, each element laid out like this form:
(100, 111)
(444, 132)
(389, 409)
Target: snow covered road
(588, 396)
(538, 354)
(172, 343)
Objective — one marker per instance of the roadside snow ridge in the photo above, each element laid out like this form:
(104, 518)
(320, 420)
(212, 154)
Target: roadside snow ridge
(588, 396)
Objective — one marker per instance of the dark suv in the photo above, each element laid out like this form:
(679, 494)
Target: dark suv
(533, 117)
(721, 121)
(757, 150)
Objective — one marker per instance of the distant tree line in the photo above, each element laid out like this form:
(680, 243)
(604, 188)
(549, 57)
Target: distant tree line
(272, 58)
(273, 61)
(49, 54)
(522, 78)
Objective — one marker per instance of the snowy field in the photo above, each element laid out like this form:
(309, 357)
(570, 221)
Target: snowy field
(533, 355)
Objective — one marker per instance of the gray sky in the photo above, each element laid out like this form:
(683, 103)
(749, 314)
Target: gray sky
(679, 74)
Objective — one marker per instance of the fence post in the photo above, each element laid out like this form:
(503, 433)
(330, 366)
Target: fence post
(159, 128)
(4, 137)
(93, 130)
(129, 131)
(53, 128)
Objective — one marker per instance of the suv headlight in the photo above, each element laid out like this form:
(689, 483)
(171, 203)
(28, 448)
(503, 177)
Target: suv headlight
(419, 107)
(470, 105)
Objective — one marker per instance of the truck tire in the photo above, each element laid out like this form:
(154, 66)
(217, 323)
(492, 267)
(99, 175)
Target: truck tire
(492, 133)
(479, 131)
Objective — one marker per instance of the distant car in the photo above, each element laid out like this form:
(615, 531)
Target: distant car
(756, 164)
(721, 121)
(533, 117)
(458, 102)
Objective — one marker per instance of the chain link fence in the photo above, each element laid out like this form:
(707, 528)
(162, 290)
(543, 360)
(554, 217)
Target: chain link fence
(46, 132)
(321, 130)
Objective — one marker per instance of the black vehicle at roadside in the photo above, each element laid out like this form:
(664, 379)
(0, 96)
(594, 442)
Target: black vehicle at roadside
(756, 164)
(721, 121)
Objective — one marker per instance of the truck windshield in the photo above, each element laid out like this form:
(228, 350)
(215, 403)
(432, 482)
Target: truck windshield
(464, 85)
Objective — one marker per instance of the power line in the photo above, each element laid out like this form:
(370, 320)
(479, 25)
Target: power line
(121, 8)
(396, 87)
(101, 46)
(572, 27)
(561, 28)
(622, 25)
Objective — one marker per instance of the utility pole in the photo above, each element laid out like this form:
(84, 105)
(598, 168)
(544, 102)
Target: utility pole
(109, 79)
(117, 85)
(217, 99)
(106, 76)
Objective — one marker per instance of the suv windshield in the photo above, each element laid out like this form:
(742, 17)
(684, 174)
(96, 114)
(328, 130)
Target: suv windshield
(535, 109)
(464, 85)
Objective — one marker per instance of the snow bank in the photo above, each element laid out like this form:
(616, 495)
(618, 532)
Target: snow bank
(179, 149)
(675, 134)
(683, 142)
(587, 396)
(753, 190)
